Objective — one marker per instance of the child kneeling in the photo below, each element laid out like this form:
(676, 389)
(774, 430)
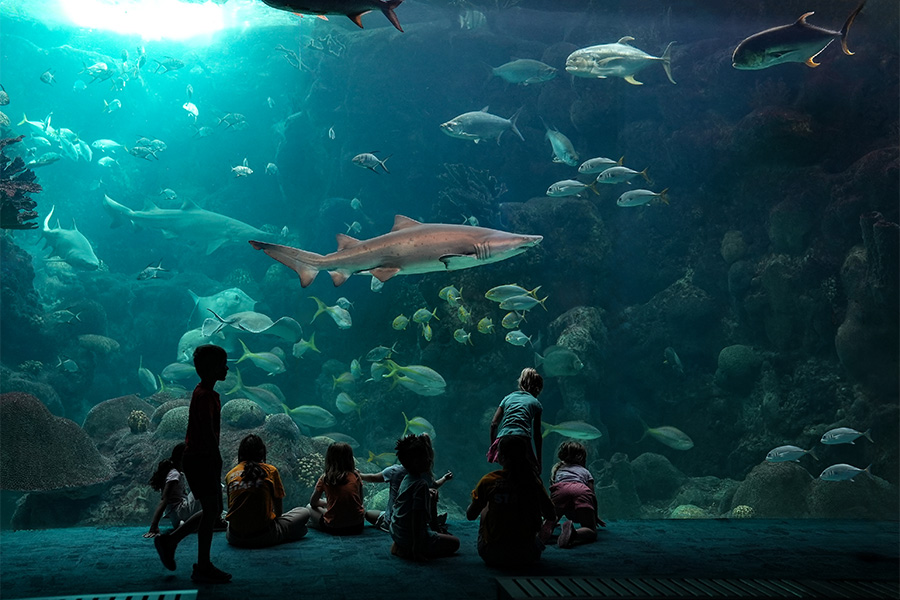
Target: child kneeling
(572, 494)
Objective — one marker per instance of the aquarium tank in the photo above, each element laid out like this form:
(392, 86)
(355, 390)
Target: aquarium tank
(684, 215)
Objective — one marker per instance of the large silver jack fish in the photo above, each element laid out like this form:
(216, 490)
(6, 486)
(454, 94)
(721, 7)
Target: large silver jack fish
(797, 42)
(410, 247)
(190, 222)
(70, 245)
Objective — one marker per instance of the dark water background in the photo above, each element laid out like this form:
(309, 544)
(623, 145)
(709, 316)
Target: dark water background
(789, 156)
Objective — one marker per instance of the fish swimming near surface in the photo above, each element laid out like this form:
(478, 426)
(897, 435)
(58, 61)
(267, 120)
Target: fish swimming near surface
(190, 222)
(524, 71)
(256, 323)
(844, 472)
(269, 362)
(481, 125)
(558, 361)
(512, 319)
(798, 42)
(70, 245)
(503, 292)
(310, 415)
(384, 459)
(577, 430)
(353, 9)
(788, 453)
(368, 160)
(409, 248)
(563, 150)
(845, 435)
(670, 436)
(641, 197)
(418, 426)
(616, 60)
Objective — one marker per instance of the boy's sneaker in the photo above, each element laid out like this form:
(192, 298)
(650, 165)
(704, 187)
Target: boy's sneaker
(546, 530)
(209, 574)
(166, 550)
(565, 538)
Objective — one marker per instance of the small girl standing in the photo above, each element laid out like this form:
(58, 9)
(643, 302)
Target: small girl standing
(519, 414)
(342, 512)
(175, 502)
(572, 494)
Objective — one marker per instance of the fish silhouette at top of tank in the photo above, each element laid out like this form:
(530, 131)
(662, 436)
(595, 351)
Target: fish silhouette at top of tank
(797, 42)
(353, 9)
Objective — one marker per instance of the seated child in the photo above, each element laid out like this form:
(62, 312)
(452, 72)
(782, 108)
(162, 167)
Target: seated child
(175, 502)
(255, 497)
(511, 503)
(415, 505)
(394, 475)
(572, 494)
(341, 513)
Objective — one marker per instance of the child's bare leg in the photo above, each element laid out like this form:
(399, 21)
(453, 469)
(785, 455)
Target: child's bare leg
(315, 515)
(587, 532)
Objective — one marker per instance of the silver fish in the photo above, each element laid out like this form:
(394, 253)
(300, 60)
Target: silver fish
(616, 60)
(797, 42)
(525, 71)
(481, 125)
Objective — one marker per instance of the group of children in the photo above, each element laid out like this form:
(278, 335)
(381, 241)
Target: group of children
(517, 514)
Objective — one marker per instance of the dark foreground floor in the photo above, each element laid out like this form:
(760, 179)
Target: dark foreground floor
(94, 561)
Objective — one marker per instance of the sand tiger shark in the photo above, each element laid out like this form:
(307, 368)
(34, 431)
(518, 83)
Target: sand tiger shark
(190, 222)
(410, 247)
(70, 245)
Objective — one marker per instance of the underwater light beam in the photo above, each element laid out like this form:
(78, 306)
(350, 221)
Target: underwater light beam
(159, 19)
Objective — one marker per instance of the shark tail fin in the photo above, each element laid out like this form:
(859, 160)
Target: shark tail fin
(301, 261)
(667, 58)
(846, 28)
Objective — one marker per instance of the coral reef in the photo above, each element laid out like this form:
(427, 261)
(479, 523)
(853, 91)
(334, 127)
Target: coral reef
(742, 511)
(688, 511)
(242, 413)
(615, 490)
(138, 421)
(775, 490)
(157, 416)
(16, 182)
(40, 452)
(173, 424)
(738, 367)
(733, 247)
(655, 478)
(283, 426)
(309, 468)
(111, 415)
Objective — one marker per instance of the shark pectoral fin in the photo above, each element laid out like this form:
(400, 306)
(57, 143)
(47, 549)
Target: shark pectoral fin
(457, 261)
(214, 245)
(382, 274)
(357, 17)
(630, 79)
(339, 277)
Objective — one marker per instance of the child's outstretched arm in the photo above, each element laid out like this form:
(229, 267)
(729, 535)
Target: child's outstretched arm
(372, 477)
(444, 479)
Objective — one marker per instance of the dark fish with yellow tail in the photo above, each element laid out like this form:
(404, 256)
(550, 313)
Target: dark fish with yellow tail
(797, 42)
(353, 9)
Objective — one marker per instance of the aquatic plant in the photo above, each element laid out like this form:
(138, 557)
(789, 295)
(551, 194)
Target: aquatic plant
(468, 193)
(309, 468)
(742, 511)
(16, 182)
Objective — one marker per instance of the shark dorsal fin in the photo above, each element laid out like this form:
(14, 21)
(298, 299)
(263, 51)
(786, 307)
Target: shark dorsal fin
(190, 205)
(627, 39)
(485, 109)
(74, 226)
(802, 19)
(401, 222)
(345, 241)
(149, 205)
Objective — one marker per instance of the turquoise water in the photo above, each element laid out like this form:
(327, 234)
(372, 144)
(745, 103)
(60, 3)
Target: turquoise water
(766, 273)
